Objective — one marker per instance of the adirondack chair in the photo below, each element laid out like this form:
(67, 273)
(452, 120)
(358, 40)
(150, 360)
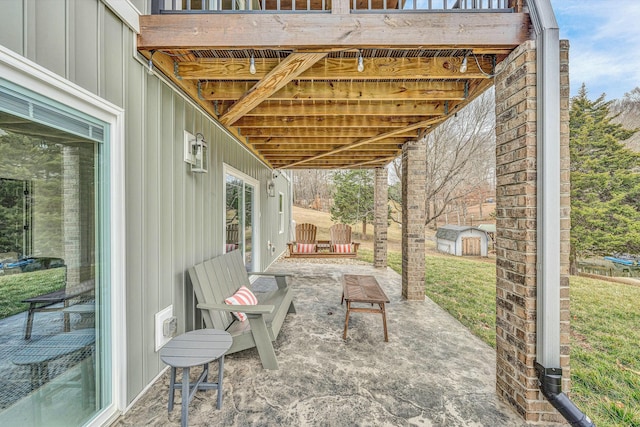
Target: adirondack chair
(306, 242)
(219, 278)
(341, 243)
(232, 239)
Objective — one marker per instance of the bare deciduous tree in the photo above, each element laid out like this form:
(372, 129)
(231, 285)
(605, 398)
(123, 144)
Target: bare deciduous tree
(312, 188)
(627, 113)
(460, 157)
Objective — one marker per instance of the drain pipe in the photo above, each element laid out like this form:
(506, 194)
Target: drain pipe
(548, 217)
(550, 381)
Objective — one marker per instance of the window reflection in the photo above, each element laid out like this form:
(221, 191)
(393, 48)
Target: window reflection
(47, 275)
(239, 207)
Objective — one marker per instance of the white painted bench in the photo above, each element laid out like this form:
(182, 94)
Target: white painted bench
(219, 278)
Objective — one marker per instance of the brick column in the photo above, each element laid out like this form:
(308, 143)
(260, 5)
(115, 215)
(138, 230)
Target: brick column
(71, 213)
(380, 220)
(516, 172)
(414, 173)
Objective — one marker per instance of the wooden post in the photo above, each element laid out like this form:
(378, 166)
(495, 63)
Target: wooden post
(340, 7)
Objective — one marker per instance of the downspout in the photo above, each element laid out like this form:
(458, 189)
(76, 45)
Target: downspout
(548, 218)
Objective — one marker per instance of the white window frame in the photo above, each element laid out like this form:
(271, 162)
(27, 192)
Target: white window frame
(230, 170)
(281, 212)
(28, 74)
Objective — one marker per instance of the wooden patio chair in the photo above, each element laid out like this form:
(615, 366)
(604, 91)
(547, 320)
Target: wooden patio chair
(231, 243)
(341, 243)
(305, 242)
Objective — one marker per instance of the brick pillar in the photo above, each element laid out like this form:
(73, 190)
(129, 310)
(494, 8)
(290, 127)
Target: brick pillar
(380, 220)
(515, 85)
(414, 173)
(71, 212)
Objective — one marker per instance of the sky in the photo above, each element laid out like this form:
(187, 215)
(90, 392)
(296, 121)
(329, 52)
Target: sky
(604, 39)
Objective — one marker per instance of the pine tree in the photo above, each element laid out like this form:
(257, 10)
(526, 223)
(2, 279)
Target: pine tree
(353, 198)
(605, 182)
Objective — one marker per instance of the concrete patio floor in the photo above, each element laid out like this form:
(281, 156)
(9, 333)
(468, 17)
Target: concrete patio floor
(432, 372)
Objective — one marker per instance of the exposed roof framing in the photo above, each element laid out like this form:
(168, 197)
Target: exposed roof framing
(304, 103)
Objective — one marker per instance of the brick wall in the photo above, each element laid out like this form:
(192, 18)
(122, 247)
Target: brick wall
(414, 172)
(380, 223)
(516, 149)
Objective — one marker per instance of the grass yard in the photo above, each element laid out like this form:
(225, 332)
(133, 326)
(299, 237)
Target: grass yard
(16, 287)
(605, 330)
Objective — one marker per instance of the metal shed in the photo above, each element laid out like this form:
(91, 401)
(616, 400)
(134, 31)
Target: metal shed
(462, 240)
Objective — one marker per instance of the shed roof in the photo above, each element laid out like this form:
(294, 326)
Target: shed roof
(451, 232)
(489, 228)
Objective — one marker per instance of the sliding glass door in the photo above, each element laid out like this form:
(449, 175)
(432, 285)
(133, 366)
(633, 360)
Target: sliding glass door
(54, 306)
(241, 209)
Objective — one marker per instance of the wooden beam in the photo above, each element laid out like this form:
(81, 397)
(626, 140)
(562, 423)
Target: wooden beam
(338, 69)
(348, 108)
(327, 121)
(371, 163)
(322, 133)
(344, 157)
(276, 79)
(412, 29)
(343, 91)
(302, 142)
(425, 124)
(384, 144)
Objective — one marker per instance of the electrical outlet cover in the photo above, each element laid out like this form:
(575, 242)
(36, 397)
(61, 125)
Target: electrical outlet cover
(160, 317)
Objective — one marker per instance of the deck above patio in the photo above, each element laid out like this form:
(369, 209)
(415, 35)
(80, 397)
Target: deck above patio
(331, 83)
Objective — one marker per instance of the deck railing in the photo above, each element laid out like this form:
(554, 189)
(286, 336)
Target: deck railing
(217, 6)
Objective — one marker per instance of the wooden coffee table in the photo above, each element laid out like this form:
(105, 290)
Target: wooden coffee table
(363, 289)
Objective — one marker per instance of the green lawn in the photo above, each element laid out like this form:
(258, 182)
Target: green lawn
(605, 331)
(16, 287)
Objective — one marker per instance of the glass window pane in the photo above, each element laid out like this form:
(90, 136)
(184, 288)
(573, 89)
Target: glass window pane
(233, 213)
(48, 252)
(248, 227)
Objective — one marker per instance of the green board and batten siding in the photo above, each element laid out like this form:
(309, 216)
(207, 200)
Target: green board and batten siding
(173, 218)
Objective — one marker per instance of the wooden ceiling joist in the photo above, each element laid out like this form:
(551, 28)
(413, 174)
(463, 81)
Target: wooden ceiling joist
(286, 132)
(341, 122)
(336, 69)
(343, 91)
(425, 124)
(276, 79)
(348, 108)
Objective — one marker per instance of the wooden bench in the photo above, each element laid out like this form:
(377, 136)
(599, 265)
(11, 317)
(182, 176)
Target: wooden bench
(333, 248)
(45, 302)
(219, 278)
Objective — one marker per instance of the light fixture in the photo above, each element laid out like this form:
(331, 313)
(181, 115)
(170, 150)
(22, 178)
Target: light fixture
(271, 188)
(360, 62)
(463, 66)
(200, 151)
(150, 63)
(252, 65)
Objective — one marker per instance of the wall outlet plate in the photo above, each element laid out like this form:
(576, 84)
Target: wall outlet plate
(160, 318)
(170, 327)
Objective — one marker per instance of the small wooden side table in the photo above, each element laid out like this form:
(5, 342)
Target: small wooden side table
(199, 347)
(363, 289)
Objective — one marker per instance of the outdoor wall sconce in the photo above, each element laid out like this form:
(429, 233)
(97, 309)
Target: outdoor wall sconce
(196, 152)
(271, 188)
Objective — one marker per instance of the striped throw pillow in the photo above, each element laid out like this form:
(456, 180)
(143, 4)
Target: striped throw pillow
(342, 248)
(305, 248)
(243, 296)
